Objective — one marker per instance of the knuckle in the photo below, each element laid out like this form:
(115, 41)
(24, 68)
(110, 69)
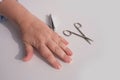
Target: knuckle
(55, 36)
(48, 56)
(56, 49)
(39, 46)
(63, 46)
(26, 43)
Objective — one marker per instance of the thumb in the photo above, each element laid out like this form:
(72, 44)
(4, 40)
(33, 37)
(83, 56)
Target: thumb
(29, 52)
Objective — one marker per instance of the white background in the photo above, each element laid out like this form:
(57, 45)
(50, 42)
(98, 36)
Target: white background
(99, 61)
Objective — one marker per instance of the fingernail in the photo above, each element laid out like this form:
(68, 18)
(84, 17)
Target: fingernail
(68, 59)
(66, 43)
(28, 57)
(58, 66)
(69, 52)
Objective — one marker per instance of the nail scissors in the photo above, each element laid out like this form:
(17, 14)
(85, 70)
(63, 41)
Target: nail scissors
(51, 25)
(77, 26)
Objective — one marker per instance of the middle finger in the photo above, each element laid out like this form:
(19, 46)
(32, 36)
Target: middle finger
(55, 48)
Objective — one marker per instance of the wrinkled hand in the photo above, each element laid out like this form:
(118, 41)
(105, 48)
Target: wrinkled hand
(37, 34)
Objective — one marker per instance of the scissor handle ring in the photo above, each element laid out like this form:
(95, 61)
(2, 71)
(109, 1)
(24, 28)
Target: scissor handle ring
(77, 25)
(67, 33)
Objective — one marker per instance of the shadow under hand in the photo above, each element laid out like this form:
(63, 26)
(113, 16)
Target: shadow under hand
(16, 35)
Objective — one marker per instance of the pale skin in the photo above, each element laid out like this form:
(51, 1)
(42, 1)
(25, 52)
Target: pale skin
(34, 34)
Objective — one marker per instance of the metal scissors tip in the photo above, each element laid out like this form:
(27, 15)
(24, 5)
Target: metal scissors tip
(52, 26)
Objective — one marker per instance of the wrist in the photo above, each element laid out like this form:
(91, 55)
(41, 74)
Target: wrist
(14, 11)
(4, 3)
(25, 19)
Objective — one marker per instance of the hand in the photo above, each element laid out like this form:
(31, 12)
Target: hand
(37, 34)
